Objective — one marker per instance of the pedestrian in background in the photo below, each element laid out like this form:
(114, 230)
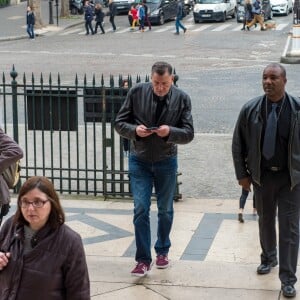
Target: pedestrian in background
(179, 16)
(40, 256)
(134, 17)
(111, 13)
(147, 20)
(99, 17)
(155, 117)
(88, 16)
(141, 15)
(265, 148)
(30, 21)
(242, 202)
(10, 152)
(257, 16)
(248, 17)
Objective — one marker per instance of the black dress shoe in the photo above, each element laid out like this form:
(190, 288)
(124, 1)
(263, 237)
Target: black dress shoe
(288, 290)
(265, 268)
(240, 218)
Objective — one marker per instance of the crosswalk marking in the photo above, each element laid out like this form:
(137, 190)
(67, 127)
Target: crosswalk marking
(222, 27)
(165, 28)
(171, 28)
(238, 27)
(281, 26)
(202, 28)
(71, 31)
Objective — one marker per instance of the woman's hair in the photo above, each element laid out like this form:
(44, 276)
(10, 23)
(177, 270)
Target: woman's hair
(56, 216)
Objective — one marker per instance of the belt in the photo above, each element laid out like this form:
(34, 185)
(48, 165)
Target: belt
(275, 169)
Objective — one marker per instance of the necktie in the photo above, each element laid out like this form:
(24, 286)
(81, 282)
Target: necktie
(270, 134)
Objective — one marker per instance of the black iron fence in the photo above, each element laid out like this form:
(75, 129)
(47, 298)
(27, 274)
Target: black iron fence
(67, 132)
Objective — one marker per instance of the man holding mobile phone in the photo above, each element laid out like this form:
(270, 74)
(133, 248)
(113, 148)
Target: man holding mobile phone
(155, 117)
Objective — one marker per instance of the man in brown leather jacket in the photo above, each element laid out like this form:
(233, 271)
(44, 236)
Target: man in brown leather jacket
(155, 117)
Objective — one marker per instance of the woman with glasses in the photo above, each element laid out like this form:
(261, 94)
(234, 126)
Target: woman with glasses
(40, 256)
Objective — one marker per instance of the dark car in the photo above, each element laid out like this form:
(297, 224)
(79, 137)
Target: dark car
(161, 10)
(266, 8)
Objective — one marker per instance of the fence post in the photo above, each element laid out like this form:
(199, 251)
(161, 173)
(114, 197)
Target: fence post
(14, 89)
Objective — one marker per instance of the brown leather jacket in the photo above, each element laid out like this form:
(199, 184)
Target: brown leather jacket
(55, 269)
(10, 152)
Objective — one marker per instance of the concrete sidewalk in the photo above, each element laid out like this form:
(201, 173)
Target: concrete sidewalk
(13, 21)
(213, 256)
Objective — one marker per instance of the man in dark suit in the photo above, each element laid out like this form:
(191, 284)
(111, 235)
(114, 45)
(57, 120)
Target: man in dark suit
(266, 153)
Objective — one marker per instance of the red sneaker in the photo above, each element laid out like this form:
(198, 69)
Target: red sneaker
(141, 269)
(162, 261)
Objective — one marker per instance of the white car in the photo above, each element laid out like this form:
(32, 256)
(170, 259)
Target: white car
(282, 7)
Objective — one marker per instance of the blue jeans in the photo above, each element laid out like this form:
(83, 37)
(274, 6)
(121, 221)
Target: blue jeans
(143, 176)
(30, 31)
(178, 24)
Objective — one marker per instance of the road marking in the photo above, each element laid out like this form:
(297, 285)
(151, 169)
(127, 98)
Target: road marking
(222, 27)
(190, 27)
(238, 27)
(123, 30)
(71, 31)
(281, 26)
(164, 29)
(203, 27)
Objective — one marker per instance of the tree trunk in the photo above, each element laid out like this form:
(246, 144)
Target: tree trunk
(36, 8)
(65, 10)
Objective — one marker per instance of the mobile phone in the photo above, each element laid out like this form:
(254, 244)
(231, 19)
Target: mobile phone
(151, 128)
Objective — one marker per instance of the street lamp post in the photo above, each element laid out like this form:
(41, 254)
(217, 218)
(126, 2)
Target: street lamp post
(50, 12)
(56, 4)
(295, 51)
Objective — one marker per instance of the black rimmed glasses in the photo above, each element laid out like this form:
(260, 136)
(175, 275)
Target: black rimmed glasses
(38, 203)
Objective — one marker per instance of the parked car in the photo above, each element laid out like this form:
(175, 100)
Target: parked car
(188, 6)
(161, 10)
(266, 8)
(282, 7)
(123, 6)
(214, 10)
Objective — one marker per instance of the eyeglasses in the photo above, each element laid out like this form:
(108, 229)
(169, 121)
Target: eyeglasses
(36, 203)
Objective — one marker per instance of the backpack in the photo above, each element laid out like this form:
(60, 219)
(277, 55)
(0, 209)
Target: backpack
(11, 175)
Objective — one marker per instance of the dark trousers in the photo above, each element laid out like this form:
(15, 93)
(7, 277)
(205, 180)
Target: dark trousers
(273, 195)
(244, 197)
(88, 25)
(147, 21)
(101, 27)
(112, 21)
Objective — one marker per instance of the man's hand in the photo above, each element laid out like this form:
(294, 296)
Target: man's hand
(141, 131)
(162, 131)
(245, 183)
(4, 210)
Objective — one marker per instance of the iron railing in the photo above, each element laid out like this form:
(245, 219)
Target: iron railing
(67, 132)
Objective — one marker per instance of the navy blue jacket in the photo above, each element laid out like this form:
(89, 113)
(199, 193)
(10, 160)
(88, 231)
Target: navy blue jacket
(30, 19)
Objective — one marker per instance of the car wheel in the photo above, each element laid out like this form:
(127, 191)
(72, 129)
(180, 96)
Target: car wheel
(286, 11)
(196, 21)
(271, 16)
(233, 15)
(161, 19)
(224, 17)
(74, 11)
